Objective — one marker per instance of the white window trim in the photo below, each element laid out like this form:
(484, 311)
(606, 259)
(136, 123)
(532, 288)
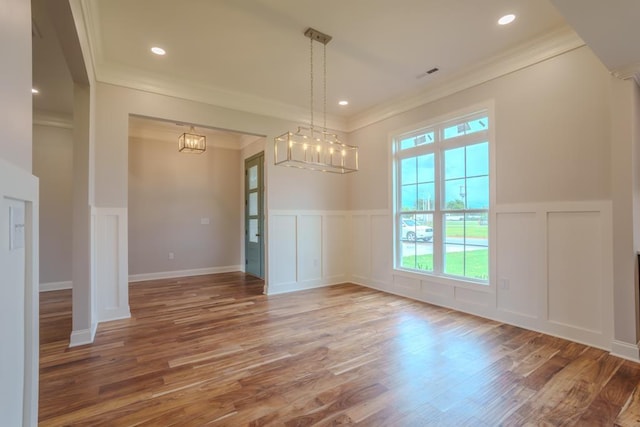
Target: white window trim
(490, 285)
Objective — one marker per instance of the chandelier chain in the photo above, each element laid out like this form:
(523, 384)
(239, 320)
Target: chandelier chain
(311, 68)
(324, 89)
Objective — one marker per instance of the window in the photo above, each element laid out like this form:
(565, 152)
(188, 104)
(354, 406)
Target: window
(442, 199)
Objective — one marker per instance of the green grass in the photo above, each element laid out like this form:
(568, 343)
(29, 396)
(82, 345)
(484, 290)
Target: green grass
(477, 263)
(473, 230)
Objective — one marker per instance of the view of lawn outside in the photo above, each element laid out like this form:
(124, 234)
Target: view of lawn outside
(466, 252)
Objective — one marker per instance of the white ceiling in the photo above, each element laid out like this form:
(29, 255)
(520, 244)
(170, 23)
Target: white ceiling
(252, 55)
(255, 50)
(611, 28)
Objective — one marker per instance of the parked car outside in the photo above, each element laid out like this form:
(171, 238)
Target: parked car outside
(412, 231)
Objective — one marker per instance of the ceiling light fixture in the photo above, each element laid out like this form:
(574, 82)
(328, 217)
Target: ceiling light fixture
(507, 19)
(34, 90)
(343, 103)
(308, 147)
(158, 50)
(189, 142)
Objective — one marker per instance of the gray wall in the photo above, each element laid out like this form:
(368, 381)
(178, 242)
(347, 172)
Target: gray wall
(53, 165)
(169, 194)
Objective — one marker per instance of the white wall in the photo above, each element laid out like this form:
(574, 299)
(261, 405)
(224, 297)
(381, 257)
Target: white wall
(19, 267)
(170, 193)
(53, 165)
(552, 221)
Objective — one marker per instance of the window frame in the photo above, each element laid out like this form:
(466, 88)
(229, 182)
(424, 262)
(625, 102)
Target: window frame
(438, 147)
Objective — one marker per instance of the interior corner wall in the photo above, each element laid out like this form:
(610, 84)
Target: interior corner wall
(183, 205)
(18, 188)
(53, 165)
(553, 180)
(624, 122)
(636, 198)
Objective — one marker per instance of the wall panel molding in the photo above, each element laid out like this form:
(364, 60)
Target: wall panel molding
(111, 264)
(307, 249)
(521, 294)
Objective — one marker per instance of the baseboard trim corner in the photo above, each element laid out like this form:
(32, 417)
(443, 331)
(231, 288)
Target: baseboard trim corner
(625, 350)
(83, 336)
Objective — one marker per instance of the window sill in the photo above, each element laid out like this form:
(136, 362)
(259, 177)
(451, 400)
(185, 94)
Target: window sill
(445, 280)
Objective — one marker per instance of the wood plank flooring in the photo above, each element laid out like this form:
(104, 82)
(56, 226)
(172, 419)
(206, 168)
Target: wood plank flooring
(211, 350)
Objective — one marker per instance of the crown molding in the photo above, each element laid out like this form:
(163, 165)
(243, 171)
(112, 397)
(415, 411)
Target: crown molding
(53, 119)
(533, 52)
(628, 72)
(86, 29)
(148, 82)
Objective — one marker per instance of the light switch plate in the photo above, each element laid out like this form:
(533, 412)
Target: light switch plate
(16, 227)
(205, 221)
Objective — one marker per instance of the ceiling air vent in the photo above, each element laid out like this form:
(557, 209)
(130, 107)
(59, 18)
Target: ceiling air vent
(428, 72)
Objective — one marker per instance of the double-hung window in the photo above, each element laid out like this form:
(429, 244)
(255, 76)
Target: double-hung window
(441, 197)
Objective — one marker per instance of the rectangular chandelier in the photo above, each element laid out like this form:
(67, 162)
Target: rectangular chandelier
(315, 150)
(309, 147)
(192, 143)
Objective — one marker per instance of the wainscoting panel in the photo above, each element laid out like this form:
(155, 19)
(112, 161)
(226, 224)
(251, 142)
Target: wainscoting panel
(307, 249)
(381, 254)
(575, 269)
(334, 255)
(111, 265)
(517, 263)
(283, 257)
(551, 269)
(361, 249)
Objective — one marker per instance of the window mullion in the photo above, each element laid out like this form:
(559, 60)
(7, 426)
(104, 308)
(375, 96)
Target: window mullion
(438, 231)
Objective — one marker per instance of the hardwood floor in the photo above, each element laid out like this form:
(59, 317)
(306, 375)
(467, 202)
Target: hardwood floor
(211, 350)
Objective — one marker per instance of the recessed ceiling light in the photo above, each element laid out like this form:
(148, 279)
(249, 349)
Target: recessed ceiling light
(158, 50)
(34, 90)
(343, 103)
(507, 19)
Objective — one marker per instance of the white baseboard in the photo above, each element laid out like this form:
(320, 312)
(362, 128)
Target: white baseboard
(55, 286)
(183, 273)
(625, 350)
(83, 336)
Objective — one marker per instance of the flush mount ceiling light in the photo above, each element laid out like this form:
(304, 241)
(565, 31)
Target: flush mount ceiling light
(190, 142)
(343, 102)
(158, 50)
(312, 148)
(507, 19)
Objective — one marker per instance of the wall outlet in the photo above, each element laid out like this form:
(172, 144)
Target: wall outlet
(205, 221)
(171, 255)
(504, 284)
